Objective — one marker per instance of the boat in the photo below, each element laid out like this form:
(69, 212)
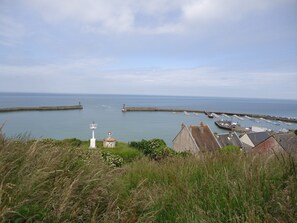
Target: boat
(236, 116)
(186, 113)
(210, 115)
(227, 116)
(263, 119)
(224, 124)
(252, 119)
(215, 115)
(232, 126)
(283, 130)
(195, 113)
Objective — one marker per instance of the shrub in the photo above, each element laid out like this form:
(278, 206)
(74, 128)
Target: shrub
(123, 150)
(156, 149)
(74, 142)
(112, 160)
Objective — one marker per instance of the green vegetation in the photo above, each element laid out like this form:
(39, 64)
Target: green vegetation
(156, 149)
(123, 150)
(230, 149)
(63, 181)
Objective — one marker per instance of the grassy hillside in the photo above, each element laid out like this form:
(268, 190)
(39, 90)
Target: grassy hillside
(63, 181)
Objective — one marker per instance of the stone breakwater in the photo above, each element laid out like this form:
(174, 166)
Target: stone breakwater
(42, 108)
(155, 109)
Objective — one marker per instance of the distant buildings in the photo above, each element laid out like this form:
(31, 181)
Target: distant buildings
(195, 139)
(200, 138)
(230, 138)
(269, 145)
(254, 138)
(288, 141)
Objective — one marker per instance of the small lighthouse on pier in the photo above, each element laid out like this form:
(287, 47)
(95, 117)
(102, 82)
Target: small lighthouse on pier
(93, 126)
(124, 108)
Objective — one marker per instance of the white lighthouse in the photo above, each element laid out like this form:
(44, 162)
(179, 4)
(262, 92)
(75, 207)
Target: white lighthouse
(93, 126)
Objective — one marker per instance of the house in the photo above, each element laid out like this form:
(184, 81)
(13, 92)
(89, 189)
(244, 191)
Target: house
(252, 139)
(195, 139)
(109, 142)
(230, 138)
(288, 141)
(269, 145)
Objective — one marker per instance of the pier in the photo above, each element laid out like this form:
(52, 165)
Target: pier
(42, 108)
(155, 109)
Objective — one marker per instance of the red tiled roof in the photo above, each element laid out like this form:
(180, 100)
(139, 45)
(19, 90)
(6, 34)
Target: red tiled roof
(109, 139)
(204, 138)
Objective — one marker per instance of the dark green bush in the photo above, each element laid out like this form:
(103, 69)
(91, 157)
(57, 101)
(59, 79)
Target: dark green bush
(74, 142)
(112, 160)
(156, 149)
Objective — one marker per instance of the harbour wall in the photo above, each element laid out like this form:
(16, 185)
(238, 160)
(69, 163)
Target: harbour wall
(155, 109)
(42, 108)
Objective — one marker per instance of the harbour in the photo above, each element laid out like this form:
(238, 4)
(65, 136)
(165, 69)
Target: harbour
(131, 126)
(209, 113)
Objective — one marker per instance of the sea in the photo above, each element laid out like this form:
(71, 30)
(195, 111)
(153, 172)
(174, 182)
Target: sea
(105, 111)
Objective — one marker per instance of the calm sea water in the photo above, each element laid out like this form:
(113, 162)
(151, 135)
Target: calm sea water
(105, 110)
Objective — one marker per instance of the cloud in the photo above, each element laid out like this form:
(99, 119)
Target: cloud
(209, 10)
(108, 15)
(147, 17)
(91, 76)
(65, 68)
(11, 32)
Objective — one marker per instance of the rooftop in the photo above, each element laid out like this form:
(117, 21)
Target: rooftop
(229, 139)
(258, 137)
(204, 138)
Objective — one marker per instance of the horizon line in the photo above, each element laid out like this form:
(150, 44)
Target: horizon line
(133, 94)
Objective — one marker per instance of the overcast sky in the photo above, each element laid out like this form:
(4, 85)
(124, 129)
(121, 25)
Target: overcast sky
(241, 48)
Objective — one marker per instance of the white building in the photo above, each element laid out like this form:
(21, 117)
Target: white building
(259, 129)
(109, 142)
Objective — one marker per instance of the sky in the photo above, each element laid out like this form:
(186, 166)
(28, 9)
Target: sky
(226, 48)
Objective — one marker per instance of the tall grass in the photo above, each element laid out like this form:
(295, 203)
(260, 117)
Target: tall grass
(51, 183)
(215, 188)
(47, 183)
